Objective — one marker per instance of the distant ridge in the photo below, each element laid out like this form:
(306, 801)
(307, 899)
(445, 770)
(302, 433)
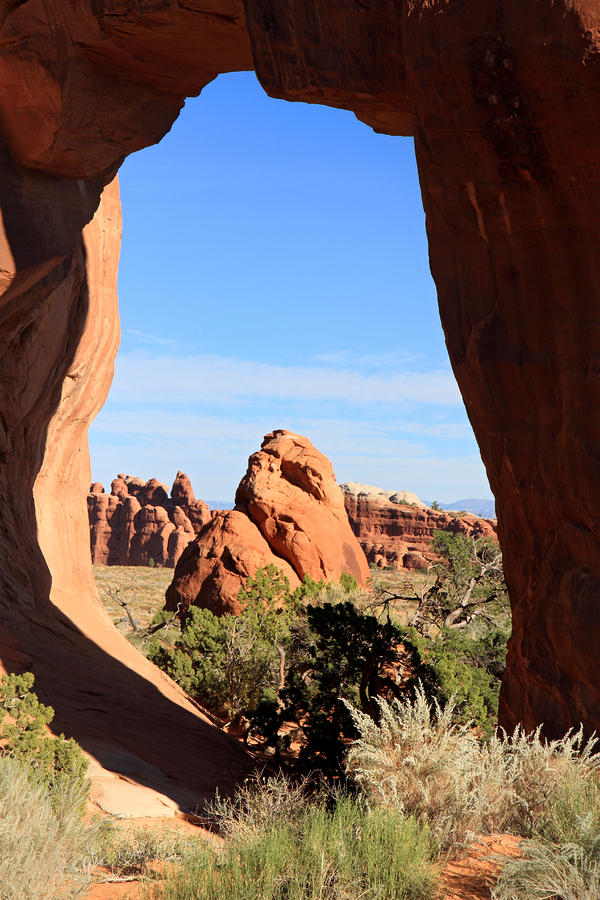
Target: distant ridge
(476, 505)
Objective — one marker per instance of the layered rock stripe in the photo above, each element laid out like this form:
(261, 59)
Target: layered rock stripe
(396, 531)
(503, 100)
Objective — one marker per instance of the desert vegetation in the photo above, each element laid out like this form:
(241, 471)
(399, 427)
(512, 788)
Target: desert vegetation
(43, 790)
(419, 786)
(374, 715)
(284, 840)
(280, 671)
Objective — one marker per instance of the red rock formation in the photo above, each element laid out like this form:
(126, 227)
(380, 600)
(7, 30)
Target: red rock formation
(289, 513)
(507, 101)
(399, 535)
(139, 525)
(503, 100)
(121, 708)
(291, 493)
(182, 491)
(214, 567)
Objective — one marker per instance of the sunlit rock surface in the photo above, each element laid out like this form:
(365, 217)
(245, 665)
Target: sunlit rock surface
(397, 529)
(289, 513)
(139, 524)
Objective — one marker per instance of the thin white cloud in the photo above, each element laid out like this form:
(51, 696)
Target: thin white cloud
(349, 359)
(141, 377)
(214, 451)
(152, 339)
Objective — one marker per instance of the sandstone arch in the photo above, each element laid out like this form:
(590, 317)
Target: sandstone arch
(503, 100)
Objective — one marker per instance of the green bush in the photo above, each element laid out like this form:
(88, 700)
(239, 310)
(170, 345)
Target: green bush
(349, 652)
(289, 659)
(282, 845)
(236, 664)
(455, 664)
(23, 720)
(228, 662)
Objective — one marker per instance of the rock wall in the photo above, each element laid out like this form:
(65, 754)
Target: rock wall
(289, 512)
(139, 524)
(400, 535)
(503, 100)
(122, 709)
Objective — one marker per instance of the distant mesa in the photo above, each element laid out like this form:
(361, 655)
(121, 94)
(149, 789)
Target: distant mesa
(396, 529)
(289, 512)
(355, 489)
(479, 506)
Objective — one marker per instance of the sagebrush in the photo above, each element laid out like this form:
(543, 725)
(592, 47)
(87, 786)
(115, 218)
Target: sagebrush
(418, 760)
(43, 842)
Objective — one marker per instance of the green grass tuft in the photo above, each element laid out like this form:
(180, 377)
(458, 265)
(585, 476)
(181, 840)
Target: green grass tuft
(307, 851)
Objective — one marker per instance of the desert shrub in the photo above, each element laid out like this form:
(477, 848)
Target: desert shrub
(43, 842)
(458, 632)
(419, 760)
(257, 804)
(344, 656)
(129, 852)
(307, 849)
(229, 662)
(289, 659)
(52, 760)
(465, 666)
(236, 664)
(550, 871)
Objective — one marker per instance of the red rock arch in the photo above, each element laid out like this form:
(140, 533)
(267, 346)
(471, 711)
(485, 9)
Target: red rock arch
(503, 101)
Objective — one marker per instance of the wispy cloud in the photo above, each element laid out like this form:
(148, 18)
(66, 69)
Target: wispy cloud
(350, 360)
(206, 413)
(152, 339)
(167, 378)
(214, 451)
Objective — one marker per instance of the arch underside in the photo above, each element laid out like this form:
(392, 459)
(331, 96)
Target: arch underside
(503, 105)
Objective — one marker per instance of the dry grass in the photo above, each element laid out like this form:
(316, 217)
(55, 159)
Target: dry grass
(404, 585)
(141, 587)
(43, 842)
(567, 871)
(132, 851)
(420, 762)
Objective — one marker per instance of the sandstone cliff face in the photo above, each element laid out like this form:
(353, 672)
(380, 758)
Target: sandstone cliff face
(289, 513)
(124, 711)
(399, 535)
(504, 102)
(138, 524)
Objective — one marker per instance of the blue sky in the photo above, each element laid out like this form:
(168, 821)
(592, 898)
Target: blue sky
(274, 274)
